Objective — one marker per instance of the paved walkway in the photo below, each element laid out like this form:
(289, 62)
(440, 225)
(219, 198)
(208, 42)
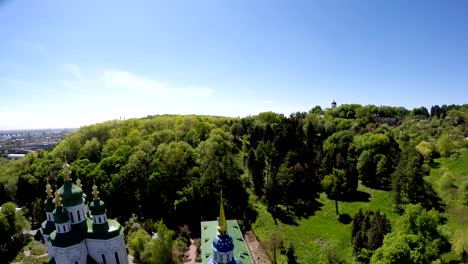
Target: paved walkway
(258, 253)
(191, 255)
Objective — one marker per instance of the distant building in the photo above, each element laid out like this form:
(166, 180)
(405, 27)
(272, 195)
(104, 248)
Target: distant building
(75, 233)
(15, 156)
(333, 104)
(222, 242)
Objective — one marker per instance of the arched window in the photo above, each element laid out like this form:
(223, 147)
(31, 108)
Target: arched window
(79, 216)
(71, 217)
(103, 259)
(76, 262)
(117, 258)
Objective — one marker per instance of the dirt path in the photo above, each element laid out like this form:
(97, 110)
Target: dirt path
(191, 254)
(258, 253)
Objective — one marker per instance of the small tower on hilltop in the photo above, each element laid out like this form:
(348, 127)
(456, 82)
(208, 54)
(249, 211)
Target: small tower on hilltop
(333, 104)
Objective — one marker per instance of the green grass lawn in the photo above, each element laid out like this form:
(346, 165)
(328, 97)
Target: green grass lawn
(457, 166)
(456, 211)
(322, 228)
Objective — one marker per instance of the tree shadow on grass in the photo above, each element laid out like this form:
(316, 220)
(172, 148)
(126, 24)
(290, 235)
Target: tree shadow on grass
(383, 185)
(357, 196)
(282, 214)
(304, 210)
(290, 215)
(345, 218)
(434, 164)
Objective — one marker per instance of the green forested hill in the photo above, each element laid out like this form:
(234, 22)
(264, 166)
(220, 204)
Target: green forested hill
(301, 178)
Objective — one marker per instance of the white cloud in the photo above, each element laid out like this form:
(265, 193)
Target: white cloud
(81, 96)
(123, 79)
(118, 80)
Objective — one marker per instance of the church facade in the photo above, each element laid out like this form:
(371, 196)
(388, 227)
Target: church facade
(77, 233)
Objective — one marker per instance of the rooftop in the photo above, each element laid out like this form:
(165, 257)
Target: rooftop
(208, 233)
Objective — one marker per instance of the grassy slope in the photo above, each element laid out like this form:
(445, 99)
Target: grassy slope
(310, 233)
(323, 227)
(457, 212)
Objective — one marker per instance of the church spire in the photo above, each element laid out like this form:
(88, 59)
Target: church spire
(222, 225)
(49, 190)
(78, 183)
(95, 192)
(66, 172)
(58, 199)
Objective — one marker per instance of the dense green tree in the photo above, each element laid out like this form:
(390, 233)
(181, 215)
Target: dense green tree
(137, 241)
(286, 186)
(338, 155)
(219, 169)
(446, 145)
(335, 185)
(11, 227)
(91, 150)
(159, 250)
(316, 110)
(408, 185)
(421, 111)
(256, 165)
(425, 149)
(375, 155)
(400, 248)
(171, 166)
(416, 239)
(368, 231)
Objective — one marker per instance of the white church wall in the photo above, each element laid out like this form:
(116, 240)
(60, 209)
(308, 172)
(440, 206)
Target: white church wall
(99, 219)
(48, 245)
(111, 249)
(77, 213)
(76, 254)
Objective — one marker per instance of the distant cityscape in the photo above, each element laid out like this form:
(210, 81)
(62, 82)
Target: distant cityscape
(17, 143)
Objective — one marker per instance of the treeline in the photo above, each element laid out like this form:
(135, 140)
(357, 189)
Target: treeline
(173, 167)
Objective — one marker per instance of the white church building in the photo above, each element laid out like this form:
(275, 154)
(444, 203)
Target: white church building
(75, 233)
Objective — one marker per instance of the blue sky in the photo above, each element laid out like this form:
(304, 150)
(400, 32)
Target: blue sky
(72, 63)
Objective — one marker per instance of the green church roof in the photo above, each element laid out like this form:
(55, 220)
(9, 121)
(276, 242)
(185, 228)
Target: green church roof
(208, 233)
(107, 230)
(97, 207)
(49, 204)
(61, 215)
(71, 194)
(84, 230)
(70, 238)
(47, 227)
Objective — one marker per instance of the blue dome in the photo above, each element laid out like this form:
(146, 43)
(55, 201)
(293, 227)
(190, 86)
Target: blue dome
(223, 243)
